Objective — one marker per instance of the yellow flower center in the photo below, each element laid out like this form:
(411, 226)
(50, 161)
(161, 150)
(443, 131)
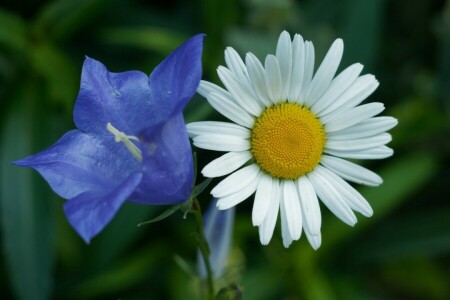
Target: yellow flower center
(287, 140)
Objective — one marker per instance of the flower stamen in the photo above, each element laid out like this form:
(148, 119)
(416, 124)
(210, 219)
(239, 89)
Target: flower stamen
(287, 141)
(120, 136)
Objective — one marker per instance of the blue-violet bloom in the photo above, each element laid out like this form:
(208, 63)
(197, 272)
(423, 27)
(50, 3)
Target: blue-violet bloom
(218, 229)
(131, 142)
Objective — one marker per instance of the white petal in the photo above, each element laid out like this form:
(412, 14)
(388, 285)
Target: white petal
(273, 79)
(219, 142)
(365, 128)
(214, 127)
(205, 88)
(355, 94)
(256, 74)
(226, 164)
(307, 74)
(325, 73)
(263, 197)
(338, 86)
(285, 234)
(352, 116)
(236, 198)
(298, 68)
(236, 66)
(315, 240)
(268, 225)
(243, 97)
(284, 56)
(293, 213)
(359, 144)
(351, 171)
(312, 218)
(356, 201)
(330, 197)
(374, 153)
(230, 110)
(236, 181)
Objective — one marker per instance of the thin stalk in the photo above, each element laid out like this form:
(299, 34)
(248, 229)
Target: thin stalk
(203, 246)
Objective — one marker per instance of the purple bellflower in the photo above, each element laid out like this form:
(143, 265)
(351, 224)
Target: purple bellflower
(131, 142)
(218, 231)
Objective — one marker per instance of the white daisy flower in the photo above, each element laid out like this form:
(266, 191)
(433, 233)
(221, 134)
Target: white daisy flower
(295, 130)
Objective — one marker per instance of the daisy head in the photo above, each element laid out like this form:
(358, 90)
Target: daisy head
(290, 135)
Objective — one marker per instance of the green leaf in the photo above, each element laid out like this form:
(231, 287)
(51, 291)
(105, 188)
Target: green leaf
(167, 213)
(125, 274)
(120, 234)
(402, 177)
(184, 265)
(419, 234)
(60, 74)
(362, 30)
(12, 31)
(27, 215)
(160, 40)
(59, 19)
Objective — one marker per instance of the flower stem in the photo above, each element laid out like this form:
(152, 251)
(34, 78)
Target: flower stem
(203, 246)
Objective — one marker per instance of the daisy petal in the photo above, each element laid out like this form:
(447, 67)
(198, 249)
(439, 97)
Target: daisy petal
(273, 79)
(315, 240)
(205, 88)
(356, 201)
(267, 227)
(359, 144)
(262, 199)
(307, 74)
(331, 197)
(284, 57)
(338, 86)
(218, 142)
(226, 164)
(291, 205)
(365, 128)
(374, 153)
(230, 110)
(354, 95)
(298, 67)
(256, 74)
(236, 198)
(309, 205)
(285, 234)
(352, 116)
(236, 66)
(351, 171)
(236, 181)
(213, 127)
(325, 73)
(239, 91)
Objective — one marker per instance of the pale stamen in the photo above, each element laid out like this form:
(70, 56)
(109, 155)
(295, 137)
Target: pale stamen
(119, 136)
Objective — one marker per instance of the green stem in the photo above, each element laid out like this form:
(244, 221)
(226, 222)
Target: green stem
(203, 246)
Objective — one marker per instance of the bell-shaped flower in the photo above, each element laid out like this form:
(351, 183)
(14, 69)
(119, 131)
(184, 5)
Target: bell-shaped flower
(218, 229)
(131, 142)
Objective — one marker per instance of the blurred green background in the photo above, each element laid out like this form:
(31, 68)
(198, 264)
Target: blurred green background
(402, 252)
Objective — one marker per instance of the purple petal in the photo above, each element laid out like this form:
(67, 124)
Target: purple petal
(79, 163)
(175, 80)
(90, 212)
(167, 165)
(123, 99)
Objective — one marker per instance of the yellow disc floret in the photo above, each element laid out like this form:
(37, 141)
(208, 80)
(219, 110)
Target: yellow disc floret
(287, 140)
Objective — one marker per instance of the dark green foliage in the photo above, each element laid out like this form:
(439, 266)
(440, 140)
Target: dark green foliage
(402, 252)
